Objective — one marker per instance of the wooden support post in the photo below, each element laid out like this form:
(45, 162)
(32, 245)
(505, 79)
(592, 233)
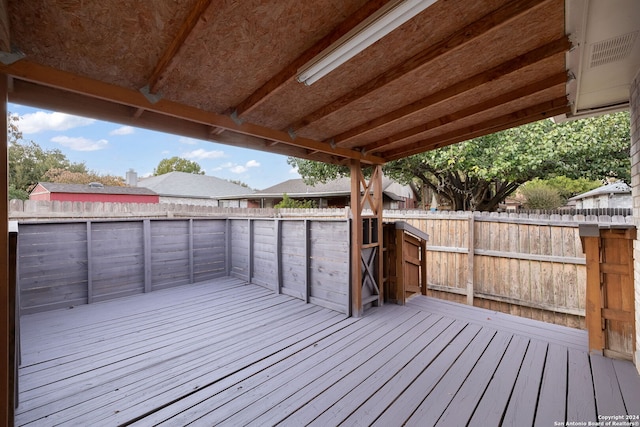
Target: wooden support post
(366, 239)
(278, 237)
(191, 268)
(146, 237)
(423, 267)
(356, 240)
(470, 260)
(400, 291)
(250, 250)
(590, 236)
(7, 305)
(377, 208)
(89, 265)
(227, 246)
(307, 258)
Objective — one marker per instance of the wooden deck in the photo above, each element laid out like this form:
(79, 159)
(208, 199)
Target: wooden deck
(225, 352)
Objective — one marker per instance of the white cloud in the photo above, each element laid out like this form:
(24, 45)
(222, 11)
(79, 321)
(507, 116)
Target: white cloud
(242, 168)
(188, 141)
(80, 143)
(124, 130)
(201, 154)
(41, 121)
(238, 169)
(294, 171)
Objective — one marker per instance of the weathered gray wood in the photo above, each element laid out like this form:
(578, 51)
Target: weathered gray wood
(147, 255)
(472, 388)
(552, 402)
(494, 402)
(278, 255)
(225, 350)
(570, 337)
(89, 264)
(307, 257)
(606, 386)
(580, 394)
(401, 396)
(442, 394)
(190, 250)
(522, 405)
(629, 386)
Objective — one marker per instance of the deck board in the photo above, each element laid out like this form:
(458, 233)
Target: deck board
(230, 353)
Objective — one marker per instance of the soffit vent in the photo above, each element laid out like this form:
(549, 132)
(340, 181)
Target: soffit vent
(612, 50)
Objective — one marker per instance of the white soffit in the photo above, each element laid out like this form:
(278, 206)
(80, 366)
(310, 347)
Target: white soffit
(606, 53)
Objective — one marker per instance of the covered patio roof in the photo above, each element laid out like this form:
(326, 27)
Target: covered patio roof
(224, 71)
(227, 71)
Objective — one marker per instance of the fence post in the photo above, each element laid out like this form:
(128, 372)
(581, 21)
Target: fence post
(89, 265)
(470, 260)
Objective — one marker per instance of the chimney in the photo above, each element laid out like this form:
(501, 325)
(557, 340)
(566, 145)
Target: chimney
(132, 178)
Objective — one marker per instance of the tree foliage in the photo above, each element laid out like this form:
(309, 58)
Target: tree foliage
(541, 195)
(238, 182)
(28, 162)
(177, 164)
(480, 173)
(64, 176)
(288, 202)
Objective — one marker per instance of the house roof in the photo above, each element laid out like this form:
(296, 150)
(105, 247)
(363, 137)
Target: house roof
(613, 188)
(298, 188)
(53, 187)
(182, 184)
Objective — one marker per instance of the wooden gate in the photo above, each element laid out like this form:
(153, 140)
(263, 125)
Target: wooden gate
(405, 268)
(610, 300)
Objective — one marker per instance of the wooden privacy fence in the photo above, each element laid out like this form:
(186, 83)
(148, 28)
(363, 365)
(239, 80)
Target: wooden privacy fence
(62, 264)
(529, 267)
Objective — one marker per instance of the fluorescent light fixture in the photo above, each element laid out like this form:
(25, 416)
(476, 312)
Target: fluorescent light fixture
(388, 18)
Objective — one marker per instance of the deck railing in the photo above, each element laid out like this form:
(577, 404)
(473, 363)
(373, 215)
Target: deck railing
(63, 264)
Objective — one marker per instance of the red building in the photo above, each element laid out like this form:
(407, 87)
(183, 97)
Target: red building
(94, 192)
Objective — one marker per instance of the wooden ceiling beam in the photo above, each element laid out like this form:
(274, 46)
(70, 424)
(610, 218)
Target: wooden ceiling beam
(291, 71)
(518, 118)
(57, 100)
(394, 141)
(168, 58)
(51, 77)
(5, 29)
(558, 46)
(490, 22)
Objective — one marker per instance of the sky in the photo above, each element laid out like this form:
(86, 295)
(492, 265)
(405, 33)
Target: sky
(112, 149)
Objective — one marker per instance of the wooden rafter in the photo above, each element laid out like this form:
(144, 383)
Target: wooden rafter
(168, 58)
(527, 115)
(558, 46)
(291, 70)
(5, 33)
(65, 81)
(490, 22)
(394, 141)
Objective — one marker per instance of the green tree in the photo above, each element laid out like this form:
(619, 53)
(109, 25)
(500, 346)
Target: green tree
(177, 164)
(480, 173)
(288, 202)
(541, 195)
(238, 182)
(567, 187)
(28, 162)
(64, 176)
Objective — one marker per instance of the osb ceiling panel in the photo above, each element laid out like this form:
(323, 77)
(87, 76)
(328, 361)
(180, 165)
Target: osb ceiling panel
(225, 70)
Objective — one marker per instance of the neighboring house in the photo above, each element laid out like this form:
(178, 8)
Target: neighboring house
(335, 193)
(614, 195)
(192, 189)
(94, 192)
